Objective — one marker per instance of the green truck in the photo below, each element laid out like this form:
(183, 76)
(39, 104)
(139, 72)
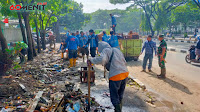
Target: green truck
(97, 31)
(131, 48)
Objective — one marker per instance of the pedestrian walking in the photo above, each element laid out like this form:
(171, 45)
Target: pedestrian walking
(72, 43)
(162, 52)
(52, 39)
(93, 41)
(114, 22)
(63, 49)
(113, 59)
(149, 47)
(113, 40)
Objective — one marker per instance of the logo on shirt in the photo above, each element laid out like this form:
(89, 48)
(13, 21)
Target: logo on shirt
(72, 39)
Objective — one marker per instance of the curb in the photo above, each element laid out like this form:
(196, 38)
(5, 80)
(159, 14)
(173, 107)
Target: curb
(172, 49)
(184, 41)
(177, 50)
(138, 82)
(183, 51)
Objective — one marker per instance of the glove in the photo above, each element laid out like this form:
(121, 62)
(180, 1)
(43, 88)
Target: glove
(89, 63)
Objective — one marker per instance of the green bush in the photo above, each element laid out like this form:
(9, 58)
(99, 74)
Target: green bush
(185, 35)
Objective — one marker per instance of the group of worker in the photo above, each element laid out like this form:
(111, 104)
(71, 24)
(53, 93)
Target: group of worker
(76, 43)
(109, 56)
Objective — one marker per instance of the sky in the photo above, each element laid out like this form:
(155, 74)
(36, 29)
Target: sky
(90, 6)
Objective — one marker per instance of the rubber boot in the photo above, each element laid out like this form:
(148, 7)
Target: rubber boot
(70, 62)
(164, 72)
(67, 56)
(121, 104)
(117, 108)
(62, 55)
(74, 62)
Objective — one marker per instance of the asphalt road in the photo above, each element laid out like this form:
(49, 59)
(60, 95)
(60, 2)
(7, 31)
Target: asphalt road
(177, 45)
(176, 64)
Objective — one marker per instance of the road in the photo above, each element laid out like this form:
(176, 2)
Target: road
(177, 45)
(181, 84)
(176, 64)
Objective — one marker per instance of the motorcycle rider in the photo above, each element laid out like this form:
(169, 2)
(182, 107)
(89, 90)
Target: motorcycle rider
(197, 50)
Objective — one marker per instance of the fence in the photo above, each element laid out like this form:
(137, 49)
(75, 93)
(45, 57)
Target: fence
(12, 34)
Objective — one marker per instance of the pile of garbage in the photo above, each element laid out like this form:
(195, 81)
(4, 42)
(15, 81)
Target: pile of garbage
(43, 85)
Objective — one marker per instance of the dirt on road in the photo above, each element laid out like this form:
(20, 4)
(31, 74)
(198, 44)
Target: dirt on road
(179, 91)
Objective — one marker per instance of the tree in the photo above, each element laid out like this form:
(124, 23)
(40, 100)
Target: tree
(150, 8)
(197, 2)
(4, 45)
(75, 19)
(144, 24)
(37, 33)
(186, 15)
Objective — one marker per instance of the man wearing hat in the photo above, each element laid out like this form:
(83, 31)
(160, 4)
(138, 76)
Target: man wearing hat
(150, 48)
(162, 52)
(93, 41)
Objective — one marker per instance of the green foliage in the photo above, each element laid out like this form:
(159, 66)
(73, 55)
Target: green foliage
(185, 35)
(14, 52)
(126, 20)
(144, 24)
(16, 66)
(74, 19)
(186, 15)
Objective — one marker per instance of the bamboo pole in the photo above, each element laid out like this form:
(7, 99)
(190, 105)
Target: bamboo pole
(89, 70)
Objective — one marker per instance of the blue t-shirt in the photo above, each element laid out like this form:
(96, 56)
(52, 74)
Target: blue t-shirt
(83, 40)
(113, 41)
(72, 43)
(105, 38)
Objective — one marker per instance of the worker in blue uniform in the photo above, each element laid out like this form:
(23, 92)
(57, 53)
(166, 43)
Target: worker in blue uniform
(113, 41)
(93, 41)
(82, 41)
(72, 44)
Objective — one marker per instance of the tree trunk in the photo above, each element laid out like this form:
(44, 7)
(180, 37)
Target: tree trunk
(3, 41)
(43, 35)
(170, 29)
(185, 27)
(38, 39)
(57, 32)
(158, 33)
(149, 22)
(22, 27)
(33, 45)
(28, 32)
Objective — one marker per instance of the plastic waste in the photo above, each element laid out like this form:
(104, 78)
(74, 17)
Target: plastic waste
(76, 107)
(3, 110)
